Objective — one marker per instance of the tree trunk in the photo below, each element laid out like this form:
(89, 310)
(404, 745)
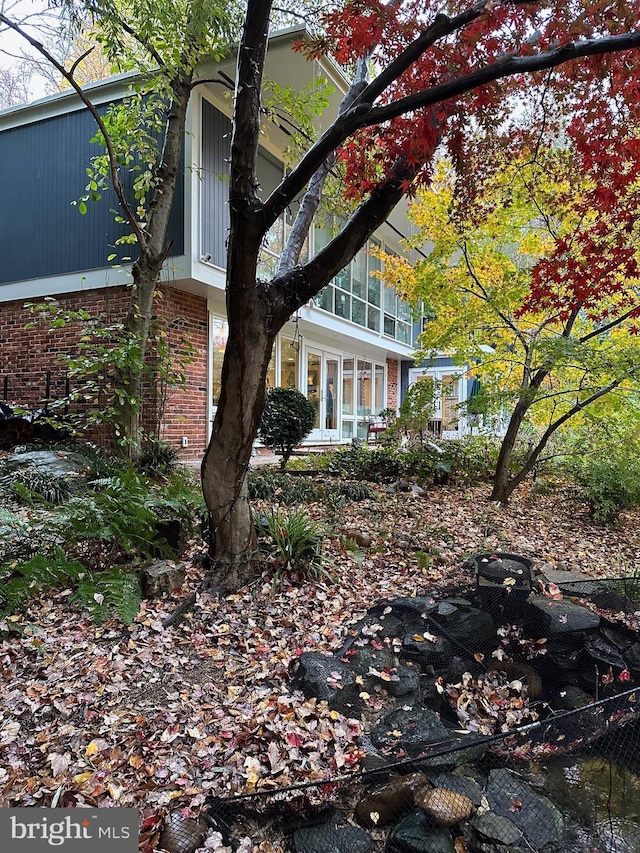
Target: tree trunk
(130, 374)
(226, 461)
(503, 484)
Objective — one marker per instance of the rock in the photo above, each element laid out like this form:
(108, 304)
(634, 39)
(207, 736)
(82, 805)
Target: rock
(182, 836)
(419, 731)
(491, 832)
(536, 817)
(332, 837)
(398, 486)
(372, 759)
(604, 653)
(445, 807)
(570, 698)
(386, 804)
(620, 640)
(407, 683)
(456, 668)
(427, 649)
(466, 627)
(361, 659)
(412, 730)
(612, 600)
(58, 463)
(162, 576)
(578, 585)
(362, 539)
(328, 679)
(632, 656)
(372, 626)
(418, 491)
(546, 618)
(461, 784)
(560, 664)
(416, 833)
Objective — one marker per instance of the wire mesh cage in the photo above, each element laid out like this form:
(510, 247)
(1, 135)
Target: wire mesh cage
(485, 727)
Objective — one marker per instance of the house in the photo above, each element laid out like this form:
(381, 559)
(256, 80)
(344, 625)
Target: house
(349, 351)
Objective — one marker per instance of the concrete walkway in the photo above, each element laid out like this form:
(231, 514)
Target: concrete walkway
(257, 460)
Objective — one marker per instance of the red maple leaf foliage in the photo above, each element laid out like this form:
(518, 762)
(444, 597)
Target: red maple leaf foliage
(449, 79)
(466, 40)
(595, 268)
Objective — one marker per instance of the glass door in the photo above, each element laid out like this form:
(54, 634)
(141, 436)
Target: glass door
(324, 392)
(331, 396)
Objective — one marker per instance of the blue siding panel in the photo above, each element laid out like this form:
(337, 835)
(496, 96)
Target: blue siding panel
(216, 142)
(42, 171)
(214, 187)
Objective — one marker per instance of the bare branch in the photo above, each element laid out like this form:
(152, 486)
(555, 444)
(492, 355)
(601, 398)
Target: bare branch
(113, 166)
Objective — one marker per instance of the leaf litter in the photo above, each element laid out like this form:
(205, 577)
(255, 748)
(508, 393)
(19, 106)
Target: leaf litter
(162, 718)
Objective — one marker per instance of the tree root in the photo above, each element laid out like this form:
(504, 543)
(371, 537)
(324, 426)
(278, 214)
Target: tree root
(180, 610)
(208, 585)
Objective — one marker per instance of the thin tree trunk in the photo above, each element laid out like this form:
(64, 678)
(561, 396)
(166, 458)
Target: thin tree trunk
(502, 488)
(503, 485)
(130, 376)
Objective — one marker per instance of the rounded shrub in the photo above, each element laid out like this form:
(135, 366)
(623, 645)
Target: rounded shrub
(287, 419)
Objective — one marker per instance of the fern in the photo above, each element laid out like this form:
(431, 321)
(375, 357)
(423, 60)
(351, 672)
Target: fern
(116, 590)
(40, 573)
(11, 520)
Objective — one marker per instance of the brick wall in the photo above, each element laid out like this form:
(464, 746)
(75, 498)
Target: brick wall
(186, 410)
(29, 358)
(392, 383)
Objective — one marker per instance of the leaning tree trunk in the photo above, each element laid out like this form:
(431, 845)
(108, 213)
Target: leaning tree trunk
(503, 483)
(226, 461)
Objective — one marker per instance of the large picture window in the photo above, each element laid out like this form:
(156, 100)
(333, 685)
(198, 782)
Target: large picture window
(358, 293)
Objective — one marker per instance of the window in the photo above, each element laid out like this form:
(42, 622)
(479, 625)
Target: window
(343, 305)
(288, 364)
(362, 279)
(364, 387)
(389, 326)
(324, 299)
(358, 312)
(219, 336)
(347, 386)
(373, 319)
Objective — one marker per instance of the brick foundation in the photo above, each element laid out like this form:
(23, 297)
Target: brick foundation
(29, 367)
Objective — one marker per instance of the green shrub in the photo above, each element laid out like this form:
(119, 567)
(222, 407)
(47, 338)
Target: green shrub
(358, 462)
(157, 459)
(610, 483)
(115, 591)
(354, 490)
(20, 582)
(387, 463)
(291, 542)
(268, 484)
(287, 419)
(30, 483)
(115, 523)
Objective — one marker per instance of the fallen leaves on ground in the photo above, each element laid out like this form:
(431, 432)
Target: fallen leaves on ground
(159, 718)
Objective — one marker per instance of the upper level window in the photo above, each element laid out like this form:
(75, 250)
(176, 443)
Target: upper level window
(359, 294)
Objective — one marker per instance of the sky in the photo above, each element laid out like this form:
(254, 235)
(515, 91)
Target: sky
(12, 45)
